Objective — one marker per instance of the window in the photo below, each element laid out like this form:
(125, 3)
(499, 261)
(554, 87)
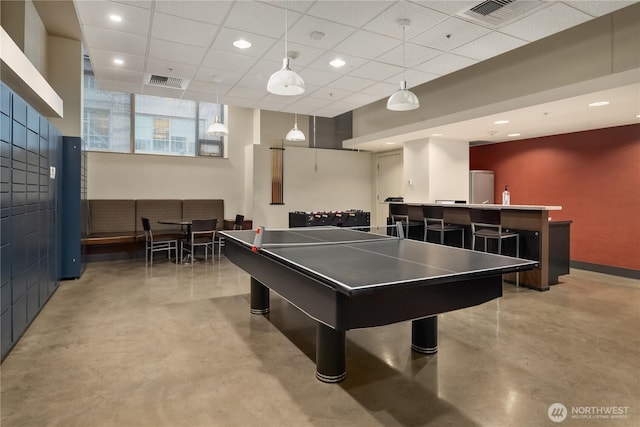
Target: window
(106, 118)
(165, 126)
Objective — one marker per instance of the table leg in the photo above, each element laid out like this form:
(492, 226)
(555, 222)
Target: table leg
(259, 297)
(424, 335)
(330, 354)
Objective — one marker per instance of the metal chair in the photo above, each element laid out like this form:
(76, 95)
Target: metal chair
(434, 221)
(237, 225)
(486, 224)
(202, 234)
(155, 244)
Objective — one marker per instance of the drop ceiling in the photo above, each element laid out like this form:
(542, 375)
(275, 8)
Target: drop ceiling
(193, 41)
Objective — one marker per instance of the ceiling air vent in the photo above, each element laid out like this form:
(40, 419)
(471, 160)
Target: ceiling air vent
(164, 81)
(496, 13)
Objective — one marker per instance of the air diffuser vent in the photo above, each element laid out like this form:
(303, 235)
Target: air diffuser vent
(164, 81)
(496, 13)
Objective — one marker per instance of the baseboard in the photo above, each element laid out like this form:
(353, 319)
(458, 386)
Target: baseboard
(606, 269)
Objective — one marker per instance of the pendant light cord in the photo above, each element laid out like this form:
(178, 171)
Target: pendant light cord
(403, 44)
(286, 28)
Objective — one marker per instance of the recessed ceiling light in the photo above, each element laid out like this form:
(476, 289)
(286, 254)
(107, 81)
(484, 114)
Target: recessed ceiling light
(599, 104)
(500, 122)
(513, 134)
(337, 63)
(115, 18)
(437, 134)
(242, 44)
(118, 61)
(637, 116)
(390, 143)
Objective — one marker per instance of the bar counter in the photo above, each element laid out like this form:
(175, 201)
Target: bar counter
(534, 225)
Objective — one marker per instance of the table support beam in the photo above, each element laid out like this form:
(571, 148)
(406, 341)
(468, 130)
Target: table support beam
(424, 335)
(330, 354)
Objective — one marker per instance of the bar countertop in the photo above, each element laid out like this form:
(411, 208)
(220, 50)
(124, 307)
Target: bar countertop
(489, 206)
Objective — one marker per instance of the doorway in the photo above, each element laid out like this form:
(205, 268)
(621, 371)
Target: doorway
(389, 183)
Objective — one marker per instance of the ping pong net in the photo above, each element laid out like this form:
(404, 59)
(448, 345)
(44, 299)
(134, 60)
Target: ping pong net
(320, 236)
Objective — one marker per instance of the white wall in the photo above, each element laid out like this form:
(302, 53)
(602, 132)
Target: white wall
(417, 169)
(342, 180)
(448, 169)
(435, 168)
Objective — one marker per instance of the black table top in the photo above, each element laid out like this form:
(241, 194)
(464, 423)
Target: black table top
(368, 260)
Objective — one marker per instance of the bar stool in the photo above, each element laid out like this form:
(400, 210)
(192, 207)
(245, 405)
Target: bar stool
(486, 224)
(399, 212)
(434, 221)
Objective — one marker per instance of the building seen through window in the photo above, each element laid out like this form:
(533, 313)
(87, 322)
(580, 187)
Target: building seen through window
(167, 126)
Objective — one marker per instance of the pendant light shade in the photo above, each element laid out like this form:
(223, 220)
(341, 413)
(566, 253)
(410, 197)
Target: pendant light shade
(295, 134)
(403, 99)
(217, 128)
(285, 82)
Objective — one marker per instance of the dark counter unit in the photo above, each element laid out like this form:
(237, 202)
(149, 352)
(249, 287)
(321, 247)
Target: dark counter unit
(350, 218)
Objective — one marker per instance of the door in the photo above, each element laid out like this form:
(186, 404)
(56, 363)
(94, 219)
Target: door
(389, 183)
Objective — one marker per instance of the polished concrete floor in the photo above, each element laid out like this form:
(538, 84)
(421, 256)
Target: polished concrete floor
(177, 346)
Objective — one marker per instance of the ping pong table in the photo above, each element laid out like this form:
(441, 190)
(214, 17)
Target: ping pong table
(347, 279)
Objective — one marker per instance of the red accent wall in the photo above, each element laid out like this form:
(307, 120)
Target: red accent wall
(595, 177)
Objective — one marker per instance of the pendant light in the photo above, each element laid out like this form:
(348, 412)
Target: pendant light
(217, 128)
(295, 134)
(285, 82)
(403, 99)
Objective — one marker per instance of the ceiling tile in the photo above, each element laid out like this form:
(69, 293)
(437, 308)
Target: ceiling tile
(318, 77)
(169, 68)
(259, 74)
(207, 74)
(460, 32)
(351, 63)
(146, 4)
(261, 18)
(204, 11)
(135, 20)
(550, 20)
(310, 103)
(306, 54)
(163, 49)
(238, 102)
(333, 33)
(421, 18)
(104, 59)
(367, 45)
(298, 5)
(259, 44)
(413, 55)
(413, 77)
(331, 94)
(181, 30)
(448, 7)
(228, 61)
(445, 64)
(376, 71)
(115, 41)
(361, 98)
(490, 45)
(353, 13)
(351, 83)
(599, 7)
(381, 89)
(247, 92)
